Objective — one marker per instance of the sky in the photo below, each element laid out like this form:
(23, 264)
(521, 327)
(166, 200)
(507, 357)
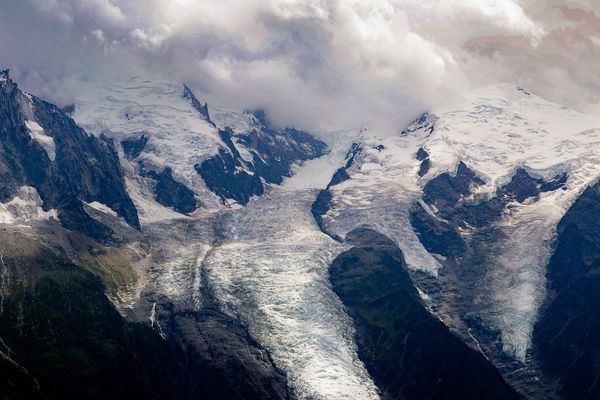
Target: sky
(317, 64)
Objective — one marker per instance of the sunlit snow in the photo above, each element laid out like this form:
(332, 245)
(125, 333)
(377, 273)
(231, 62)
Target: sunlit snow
(36, 132)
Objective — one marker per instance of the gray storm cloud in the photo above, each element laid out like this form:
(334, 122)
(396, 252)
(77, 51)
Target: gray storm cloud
(319, 64)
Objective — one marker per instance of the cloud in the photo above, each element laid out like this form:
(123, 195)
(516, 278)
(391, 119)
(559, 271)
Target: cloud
(560, 66)
(319, 64)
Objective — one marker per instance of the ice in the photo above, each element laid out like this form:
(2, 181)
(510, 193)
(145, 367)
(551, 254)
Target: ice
(96, 205)
(25, 207)
(272, 272)
(46, 142)
(381, 193)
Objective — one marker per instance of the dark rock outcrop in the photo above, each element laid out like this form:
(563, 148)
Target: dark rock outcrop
(224, 176)
(409, 353)
(523, 186)
(171, 193)
(273, 152)
(341, 174)
(83, 167)
(319, 208)
(423, 156)
(448, 194)
(424, 122)
(133, 147)
(322, 203)
(566, 336)
(202, 109)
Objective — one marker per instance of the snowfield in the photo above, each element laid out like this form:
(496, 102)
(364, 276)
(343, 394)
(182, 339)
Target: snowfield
(382, 189)
(36, 132)
(178, 136)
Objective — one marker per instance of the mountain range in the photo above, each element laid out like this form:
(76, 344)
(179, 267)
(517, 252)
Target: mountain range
(154, 246)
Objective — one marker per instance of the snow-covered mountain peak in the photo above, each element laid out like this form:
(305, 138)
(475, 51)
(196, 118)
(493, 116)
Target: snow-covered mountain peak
(176, 135)
(424, 124)
(494, 135)
(501, 128)
(178, 154)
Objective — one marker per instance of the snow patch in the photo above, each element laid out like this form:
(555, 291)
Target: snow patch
(36, 132)
(25, 207)
(102, 208)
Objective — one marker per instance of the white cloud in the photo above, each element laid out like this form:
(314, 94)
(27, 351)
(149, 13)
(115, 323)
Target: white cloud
(318, 63)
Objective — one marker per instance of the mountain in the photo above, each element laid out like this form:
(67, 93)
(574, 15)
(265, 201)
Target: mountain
(178, 158)
(564, 336)
(156, 246)
(47, 161)
(410, 353)
(473, 196)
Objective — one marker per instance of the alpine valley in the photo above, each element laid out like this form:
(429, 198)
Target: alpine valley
(153, 246)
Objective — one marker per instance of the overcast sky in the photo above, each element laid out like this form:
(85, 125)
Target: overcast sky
(320, 64)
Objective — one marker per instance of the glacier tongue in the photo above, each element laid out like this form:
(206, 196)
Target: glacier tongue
(498, 130)
(266, 264)
(271, 270)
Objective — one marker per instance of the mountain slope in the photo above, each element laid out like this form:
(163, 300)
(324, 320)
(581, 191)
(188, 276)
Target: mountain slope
(59, 325)
(472, 196)
(180, 158)
(227, 278)
(409, 352)
(43, 148)
(70, 275)
(566, 335)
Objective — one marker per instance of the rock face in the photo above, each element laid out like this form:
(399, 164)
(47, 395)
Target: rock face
(423, 156)
(171, 193)
(322, 203)
(566, 335)
(224, 175)
(202, 109)
(133, 147)
(271, 154)
(409, 352)
(448, 195)
(84, 167)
